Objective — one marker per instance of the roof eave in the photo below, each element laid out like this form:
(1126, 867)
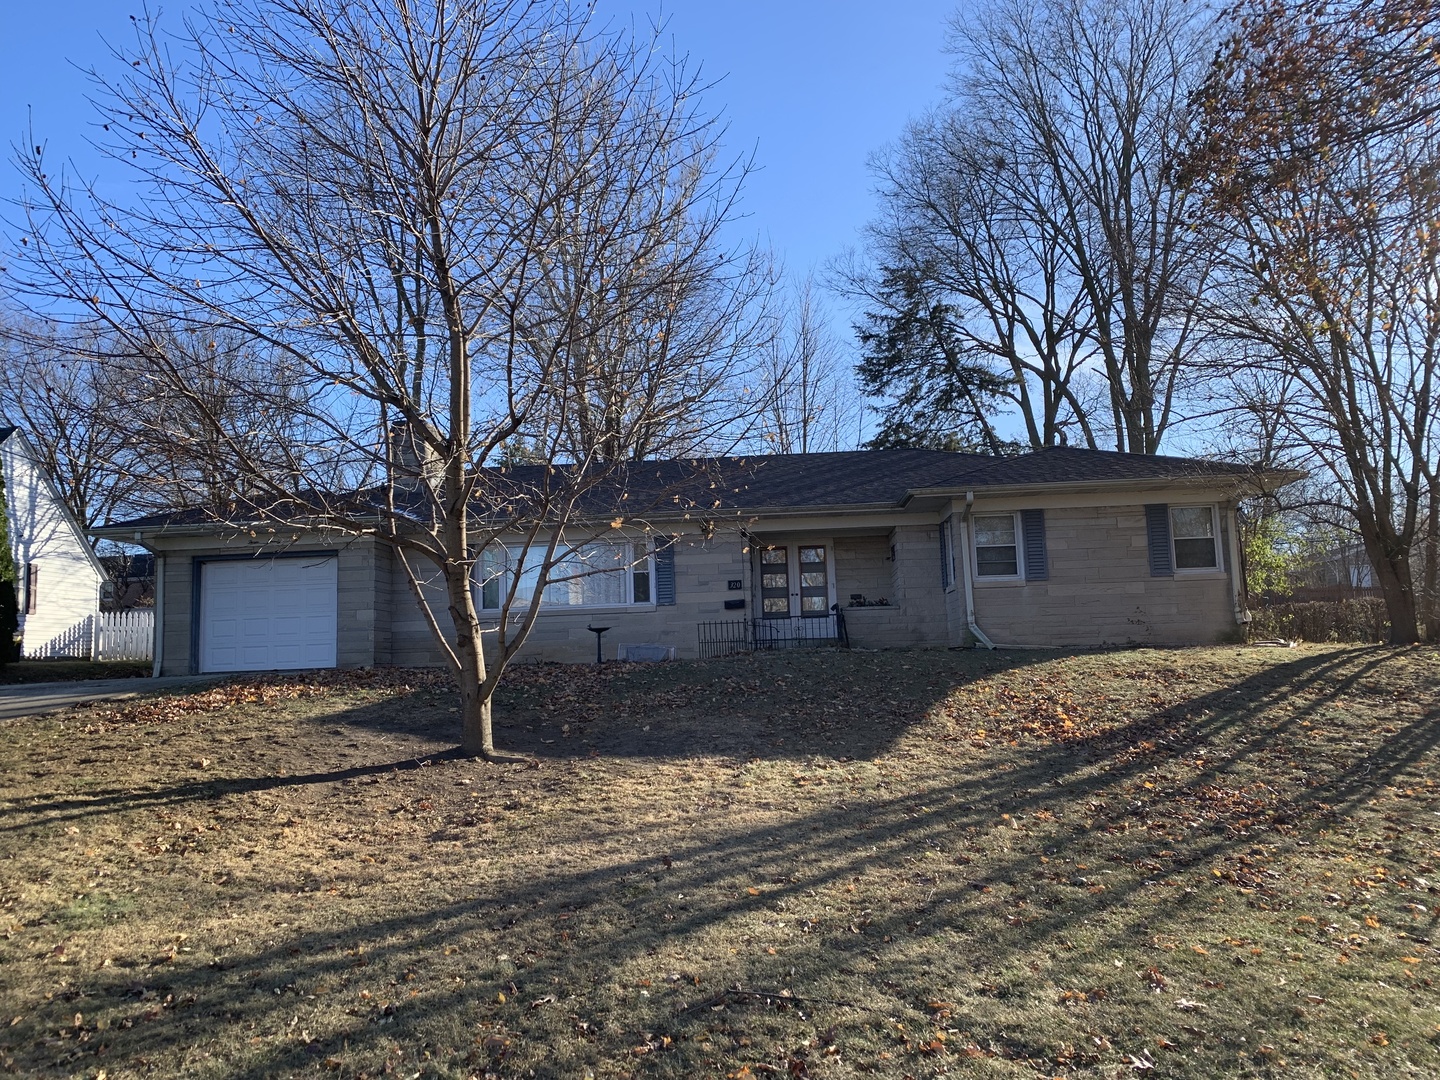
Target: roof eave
(136, 534)
(1269, 479)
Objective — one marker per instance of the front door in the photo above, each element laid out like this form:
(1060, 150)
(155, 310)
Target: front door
(795, 581)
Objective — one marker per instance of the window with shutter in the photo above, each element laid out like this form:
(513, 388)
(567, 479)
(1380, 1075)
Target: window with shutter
(32, 588)
(598, 574)
(1194, 533)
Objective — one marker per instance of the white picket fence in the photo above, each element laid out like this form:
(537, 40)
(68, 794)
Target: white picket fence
(125, 635)
(111, 635)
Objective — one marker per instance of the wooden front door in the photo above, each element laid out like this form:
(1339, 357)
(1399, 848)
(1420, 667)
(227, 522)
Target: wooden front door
(795, 581)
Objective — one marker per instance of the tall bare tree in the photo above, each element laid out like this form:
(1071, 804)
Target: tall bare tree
(1324, 175)
(74, 410)
(117, 440)
(808, 399)
(1042, 199)
(449, 222)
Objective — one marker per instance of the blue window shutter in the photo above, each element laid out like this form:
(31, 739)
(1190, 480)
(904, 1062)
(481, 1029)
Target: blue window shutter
(947, 556)
(1037, 563)
(665, 572)
(1157, 530)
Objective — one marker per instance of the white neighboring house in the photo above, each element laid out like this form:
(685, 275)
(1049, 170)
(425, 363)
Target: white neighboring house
(58, 576)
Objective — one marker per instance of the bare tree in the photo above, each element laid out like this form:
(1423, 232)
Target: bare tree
(965, 226)
(1043, 199)
(116, 440)
(808, 400)
(73, 410)
(1333, 262)
(449, 221)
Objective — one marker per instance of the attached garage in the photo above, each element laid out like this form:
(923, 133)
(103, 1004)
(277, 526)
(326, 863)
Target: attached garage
(267, 614)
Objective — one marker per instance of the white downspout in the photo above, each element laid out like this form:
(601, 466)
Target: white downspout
(158, 647)
(980, 635)
(1237, 584)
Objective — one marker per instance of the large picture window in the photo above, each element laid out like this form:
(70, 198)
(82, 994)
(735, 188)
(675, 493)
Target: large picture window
(602, 574)
(997, 550)
(1193, 533)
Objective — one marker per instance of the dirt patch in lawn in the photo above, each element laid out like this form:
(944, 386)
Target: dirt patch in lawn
(1193, 862)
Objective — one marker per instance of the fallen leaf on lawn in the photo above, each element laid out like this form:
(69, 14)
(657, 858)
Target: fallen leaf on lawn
(1186, 1005)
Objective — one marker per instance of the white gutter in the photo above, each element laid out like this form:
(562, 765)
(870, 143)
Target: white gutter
(980, 635)
(157, 647)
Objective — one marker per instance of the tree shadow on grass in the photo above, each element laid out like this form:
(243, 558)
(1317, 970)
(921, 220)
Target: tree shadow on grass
(569, 949)
(69, 809)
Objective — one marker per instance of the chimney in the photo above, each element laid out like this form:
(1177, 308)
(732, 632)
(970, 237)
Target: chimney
(412, 461)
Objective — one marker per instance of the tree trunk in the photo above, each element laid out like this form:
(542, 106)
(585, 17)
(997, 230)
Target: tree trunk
(1430, 574)
(478, 735)
(1394, 581)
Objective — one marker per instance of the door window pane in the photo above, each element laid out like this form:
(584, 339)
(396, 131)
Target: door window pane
(812, 554)
(775, 582)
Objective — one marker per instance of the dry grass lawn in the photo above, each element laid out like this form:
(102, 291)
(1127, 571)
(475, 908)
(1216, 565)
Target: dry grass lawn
(1191, 863)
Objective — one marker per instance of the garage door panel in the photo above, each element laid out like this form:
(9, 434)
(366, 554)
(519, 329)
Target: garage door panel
(268, 614)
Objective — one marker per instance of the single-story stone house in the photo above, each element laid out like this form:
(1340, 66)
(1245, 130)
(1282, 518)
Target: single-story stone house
(881, 548)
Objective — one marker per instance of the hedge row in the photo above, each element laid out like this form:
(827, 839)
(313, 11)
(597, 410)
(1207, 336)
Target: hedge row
(1362, 619)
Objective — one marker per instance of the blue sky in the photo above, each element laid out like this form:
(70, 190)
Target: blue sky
(812, 87)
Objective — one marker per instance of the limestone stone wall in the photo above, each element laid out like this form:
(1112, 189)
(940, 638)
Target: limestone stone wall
(916, 614)
(1100, 591)
(703, 569)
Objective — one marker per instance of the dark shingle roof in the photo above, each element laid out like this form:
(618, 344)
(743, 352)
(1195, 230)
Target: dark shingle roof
(857, 478)
(1070, 465)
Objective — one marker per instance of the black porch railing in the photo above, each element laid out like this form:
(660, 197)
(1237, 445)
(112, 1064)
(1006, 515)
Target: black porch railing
(728, 636)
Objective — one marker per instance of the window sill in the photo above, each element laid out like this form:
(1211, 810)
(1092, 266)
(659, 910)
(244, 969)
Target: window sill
(586, 612)
(998, 582)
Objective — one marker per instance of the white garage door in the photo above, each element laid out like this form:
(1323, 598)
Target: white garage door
(267, 614)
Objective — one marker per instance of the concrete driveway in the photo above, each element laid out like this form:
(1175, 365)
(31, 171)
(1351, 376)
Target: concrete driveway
(36, 699)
